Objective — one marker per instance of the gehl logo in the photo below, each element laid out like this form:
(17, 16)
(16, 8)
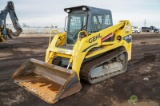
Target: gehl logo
(94, 38)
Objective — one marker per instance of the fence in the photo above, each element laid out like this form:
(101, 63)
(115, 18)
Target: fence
(38, 30)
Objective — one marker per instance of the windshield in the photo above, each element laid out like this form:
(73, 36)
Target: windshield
(76, 23)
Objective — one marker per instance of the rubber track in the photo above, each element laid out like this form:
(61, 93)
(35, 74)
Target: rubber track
(87, 66)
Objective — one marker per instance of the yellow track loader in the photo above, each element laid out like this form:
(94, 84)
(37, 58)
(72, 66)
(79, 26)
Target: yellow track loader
(92, 50)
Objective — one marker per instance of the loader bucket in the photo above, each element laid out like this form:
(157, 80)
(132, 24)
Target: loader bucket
(49, 82)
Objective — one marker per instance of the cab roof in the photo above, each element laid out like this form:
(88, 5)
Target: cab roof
(89, 9)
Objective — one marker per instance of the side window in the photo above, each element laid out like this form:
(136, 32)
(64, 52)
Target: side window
(107, 21)
(96, 23)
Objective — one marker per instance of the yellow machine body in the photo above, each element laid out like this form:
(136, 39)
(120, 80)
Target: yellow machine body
(83, 46)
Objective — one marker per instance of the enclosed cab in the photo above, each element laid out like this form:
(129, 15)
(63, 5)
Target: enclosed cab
(88, 18)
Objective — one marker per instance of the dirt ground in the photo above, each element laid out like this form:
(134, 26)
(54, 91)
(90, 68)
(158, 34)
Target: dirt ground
(142, 78)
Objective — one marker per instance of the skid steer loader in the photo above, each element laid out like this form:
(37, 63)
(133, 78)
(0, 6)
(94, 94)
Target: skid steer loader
(92, 50)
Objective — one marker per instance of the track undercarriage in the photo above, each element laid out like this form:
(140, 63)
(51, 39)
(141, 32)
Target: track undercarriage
(103, 67)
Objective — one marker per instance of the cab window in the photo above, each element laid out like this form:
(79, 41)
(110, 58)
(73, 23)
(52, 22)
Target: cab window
(96, 23)
(107, 20)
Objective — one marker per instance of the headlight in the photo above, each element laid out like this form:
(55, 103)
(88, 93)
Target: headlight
(84, 8)
(68, 10)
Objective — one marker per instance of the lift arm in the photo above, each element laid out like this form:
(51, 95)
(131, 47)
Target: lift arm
(3, 14)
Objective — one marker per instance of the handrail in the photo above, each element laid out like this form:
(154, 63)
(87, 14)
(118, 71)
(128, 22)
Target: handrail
(51, 33)
(85, 34)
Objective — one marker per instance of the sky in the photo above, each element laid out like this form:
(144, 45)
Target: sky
(51, 12)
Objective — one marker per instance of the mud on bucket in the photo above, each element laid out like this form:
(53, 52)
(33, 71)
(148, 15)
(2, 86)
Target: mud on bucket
(49, 82)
